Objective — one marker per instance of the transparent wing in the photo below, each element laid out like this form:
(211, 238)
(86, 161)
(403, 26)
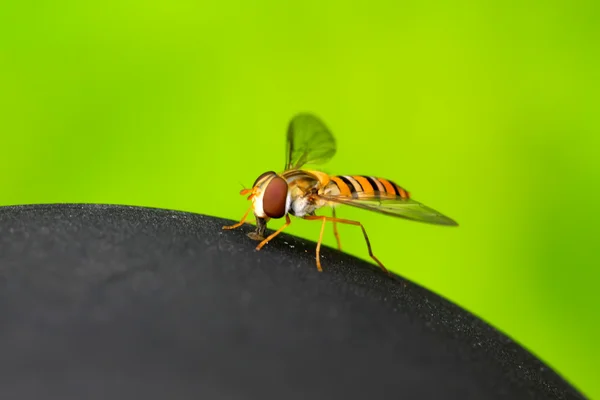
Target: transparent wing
(308, 142)
(394, 206)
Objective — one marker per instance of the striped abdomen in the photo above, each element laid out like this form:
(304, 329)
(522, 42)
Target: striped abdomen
(356, 186)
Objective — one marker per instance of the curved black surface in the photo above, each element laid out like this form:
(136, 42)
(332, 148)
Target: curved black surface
(110, 302)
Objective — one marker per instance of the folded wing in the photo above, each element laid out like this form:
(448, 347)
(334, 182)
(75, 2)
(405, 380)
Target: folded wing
(394, 206)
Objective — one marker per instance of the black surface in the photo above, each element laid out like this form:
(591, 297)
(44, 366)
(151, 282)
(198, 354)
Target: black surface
(109, 302)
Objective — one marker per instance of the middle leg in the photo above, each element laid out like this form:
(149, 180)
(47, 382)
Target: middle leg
(349, 222)
(335, 230)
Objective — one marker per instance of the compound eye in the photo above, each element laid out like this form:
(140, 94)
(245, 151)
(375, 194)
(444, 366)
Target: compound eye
(274, 198)
(263, 176)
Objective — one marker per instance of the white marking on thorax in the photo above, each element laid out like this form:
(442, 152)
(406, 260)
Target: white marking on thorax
(288, 202)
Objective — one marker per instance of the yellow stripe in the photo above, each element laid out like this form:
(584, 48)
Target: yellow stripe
(388, 186)
(366, 185)
(344, 189)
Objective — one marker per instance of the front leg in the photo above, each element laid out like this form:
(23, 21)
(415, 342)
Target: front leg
(277, 232)
(234, 226)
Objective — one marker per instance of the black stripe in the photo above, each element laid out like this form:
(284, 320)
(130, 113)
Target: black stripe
(350, 185)
(395, 188)
(362, 189)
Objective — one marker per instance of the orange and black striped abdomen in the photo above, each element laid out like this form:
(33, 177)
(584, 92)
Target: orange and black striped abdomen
(356, 185)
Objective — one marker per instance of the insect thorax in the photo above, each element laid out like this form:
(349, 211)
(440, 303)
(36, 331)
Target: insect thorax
(303, 201)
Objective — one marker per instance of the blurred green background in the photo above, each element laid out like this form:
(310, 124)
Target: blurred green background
(486, 111)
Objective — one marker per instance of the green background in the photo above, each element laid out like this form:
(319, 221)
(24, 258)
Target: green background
(486, 111)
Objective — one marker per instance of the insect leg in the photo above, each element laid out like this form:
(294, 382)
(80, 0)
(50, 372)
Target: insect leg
(259, 233)
(241, 222)
(349, 222)
(319, 243)
(335, 231)
(277, 232)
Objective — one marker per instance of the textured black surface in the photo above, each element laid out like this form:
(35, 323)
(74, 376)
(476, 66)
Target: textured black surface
(109, 302)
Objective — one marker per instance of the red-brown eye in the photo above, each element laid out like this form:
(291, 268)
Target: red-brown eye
(275, 197)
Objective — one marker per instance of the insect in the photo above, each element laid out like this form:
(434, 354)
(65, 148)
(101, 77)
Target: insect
(301, 192)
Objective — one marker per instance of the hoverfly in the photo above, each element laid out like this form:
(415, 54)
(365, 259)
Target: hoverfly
(301, 192)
